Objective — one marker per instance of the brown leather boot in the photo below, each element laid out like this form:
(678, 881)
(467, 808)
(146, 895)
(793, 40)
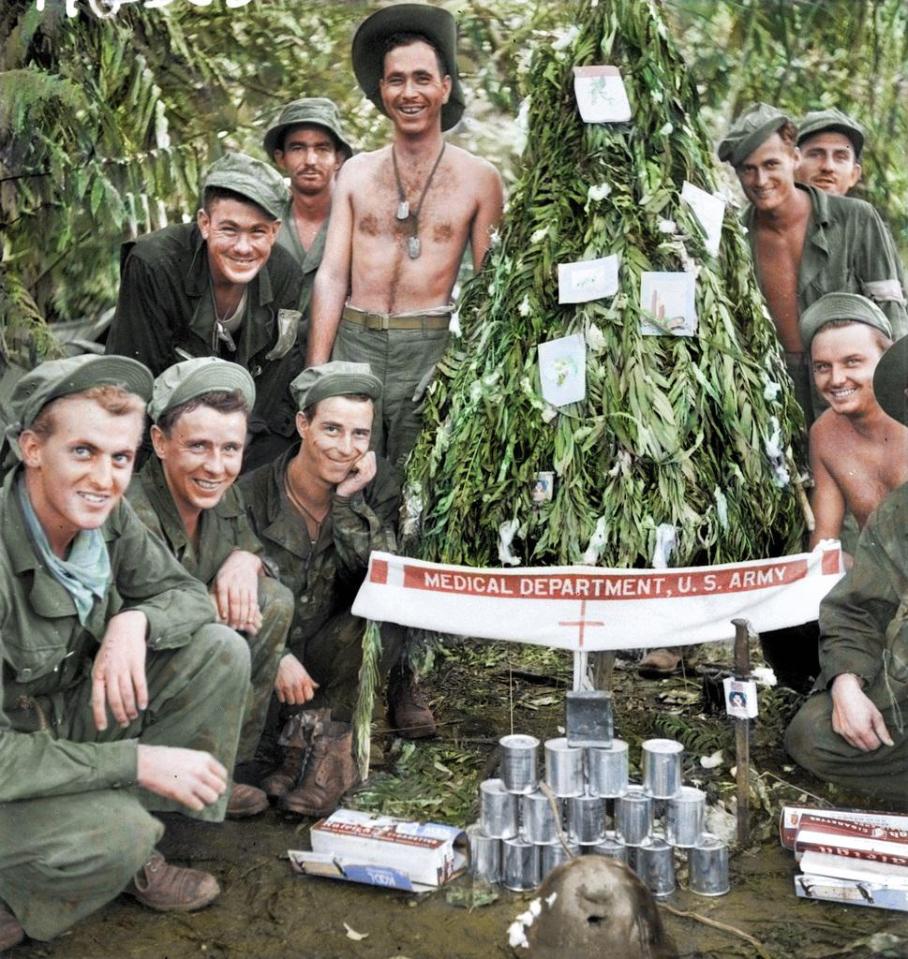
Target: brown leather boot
(11, 933)
(408, 710)
(167, 888)
(245, 801)
(295, 739)
(330, 772)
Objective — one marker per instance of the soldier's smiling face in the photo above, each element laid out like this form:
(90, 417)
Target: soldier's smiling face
(78, 471)
(239, 237)
(414, 88)
(828, 162)
(335, 437)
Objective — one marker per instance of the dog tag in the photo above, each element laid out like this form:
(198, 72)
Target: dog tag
(403, 210)
(413, 247)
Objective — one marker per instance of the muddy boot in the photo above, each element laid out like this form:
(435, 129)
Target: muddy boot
(408, 710)
(330, 772)
(11, 933)
(660, 662)
(295, 740)
(167, 888)
(245, 801)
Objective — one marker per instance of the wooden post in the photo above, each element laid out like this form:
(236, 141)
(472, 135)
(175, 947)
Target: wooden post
(742, 733)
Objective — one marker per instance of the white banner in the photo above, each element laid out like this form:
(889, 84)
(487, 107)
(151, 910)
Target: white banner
(589, 608)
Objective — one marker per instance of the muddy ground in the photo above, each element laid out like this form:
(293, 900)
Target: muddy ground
(480, 692)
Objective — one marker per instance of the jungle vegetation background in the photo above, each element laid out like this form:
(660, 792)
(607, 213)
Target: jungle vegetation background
(107, 121)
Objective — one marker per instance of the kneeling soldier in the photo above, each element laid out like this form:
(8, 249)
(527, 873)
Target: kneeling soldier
(320, 512)
(98, 620)
(185, 494)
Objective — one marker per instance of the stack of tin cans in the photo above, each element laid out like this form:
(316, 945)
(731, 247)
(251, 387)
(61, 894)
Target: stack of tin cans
(585, 804)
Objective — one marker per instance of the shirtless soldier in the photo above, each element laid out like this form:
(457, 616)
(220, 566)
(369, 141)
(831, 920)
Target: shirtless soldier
(806, 243)
(858, 454)
(400, 221)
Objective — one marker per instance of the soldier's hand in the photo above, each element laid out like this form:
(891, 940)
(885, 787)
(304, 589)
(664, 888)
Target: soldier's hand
(235, 592)
(293, 685)
(188, 776)
(361, 473)
(854, 716)
(118, 674)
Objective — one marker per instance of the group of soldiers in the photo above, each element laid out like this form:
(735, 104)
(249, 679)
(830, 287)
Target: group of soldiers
(193, 649)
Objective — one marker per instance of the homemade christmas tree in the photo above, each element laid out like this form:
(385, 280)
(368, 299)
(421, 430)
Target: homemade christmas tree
(689, 432)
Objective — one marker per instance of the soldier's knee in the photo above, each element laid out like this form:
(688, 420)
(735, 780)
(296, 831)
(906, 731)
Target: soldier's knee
(806, 730)
(275, 598)
(224, 651)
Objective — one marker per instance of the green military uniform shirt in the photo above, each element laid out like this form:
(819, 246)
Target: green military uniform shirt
(165, 314)
(222, 529)
(847, 249)
(323, 577)
(46, 651)
(309, 260)
(864, 619)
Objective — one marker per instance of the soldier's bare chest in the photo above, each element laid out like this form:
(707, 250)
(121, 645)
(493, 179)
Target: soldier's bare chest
(435, 205)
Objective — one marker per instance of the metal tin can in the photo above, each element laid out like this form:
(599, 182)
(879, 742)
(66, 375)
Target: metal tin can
(708, 863)
(662, 767)
(564, 768)
(497, 810)
(518, 762)
(607, 770)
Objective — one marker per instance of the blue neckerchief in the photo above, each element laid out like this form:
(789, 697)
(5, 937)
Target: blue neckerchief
(85, 574)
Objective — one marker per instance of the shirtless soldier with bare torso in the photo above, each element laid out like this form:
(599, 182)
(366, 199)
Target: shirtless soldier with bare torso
(858, 454)
(400, 221)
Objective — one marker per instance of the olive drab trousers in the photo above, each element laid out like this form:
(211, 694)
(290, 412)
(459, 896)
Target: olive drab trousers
(63, 857)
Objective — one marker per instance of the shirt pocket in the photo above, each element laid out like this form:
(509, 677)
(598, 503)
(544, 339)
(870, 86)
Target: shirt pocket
(32, 650)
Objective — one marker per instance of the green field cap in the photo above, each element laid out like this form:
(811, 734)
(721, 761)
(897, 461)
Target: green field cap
(756, 125)
(251, 178)
(316, 111)
(432, 22)
(338, 378)
(819, 121)
(75, 374)
(841, 306)
(190, 379)
(890, 381)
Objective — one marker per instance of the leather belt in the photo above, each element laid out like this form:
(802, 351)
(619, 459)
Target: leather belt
(385, 321)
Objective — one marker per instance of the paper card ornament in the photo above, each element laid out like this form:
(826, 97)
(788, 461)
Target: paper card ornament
(740, 698)
(543, 487)
(709, 211)
(587, 280)
(669, 298)
(562, 370)
(601, 95)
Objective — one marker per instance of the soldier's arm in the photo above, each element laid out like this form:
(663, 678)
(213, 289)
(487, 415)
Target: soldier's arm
(488, 214)
(332, 281)
(150, 579)
(366, 521)
(141, 326)
(827, 501)
(857, 612)
(879, 270)
(36, 764)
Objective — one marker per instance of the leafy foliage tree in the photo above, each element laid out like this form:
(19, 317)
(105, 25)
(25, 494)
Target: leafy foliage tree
(673, 430)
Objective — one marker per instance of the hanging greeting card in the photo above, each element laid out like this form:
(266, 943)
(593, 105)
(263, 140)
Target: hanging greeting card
(562, 369)
(709, 211)
(668, 304)
(587, 280)
(601, 95)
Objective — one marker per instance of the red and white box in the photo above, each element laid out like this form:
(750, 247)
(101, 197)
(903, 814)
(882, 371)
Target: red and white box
(790, 820)
(383, 851)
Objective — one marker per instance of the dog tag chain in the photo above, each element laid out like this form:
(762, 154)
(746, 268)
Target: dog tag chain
(414, 246)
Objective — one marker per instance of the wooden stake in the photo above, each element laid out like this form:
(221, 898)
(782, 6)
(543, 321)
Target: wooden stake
(742, 733)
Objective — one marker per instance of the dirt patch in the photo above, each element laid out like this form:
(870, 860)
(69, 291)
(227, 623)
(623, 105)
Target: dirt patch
(482, 691)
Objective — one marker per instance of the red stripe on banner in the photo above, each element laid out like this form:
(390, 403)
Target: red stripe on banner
(379, 572)
(831, 562)
(605, 587)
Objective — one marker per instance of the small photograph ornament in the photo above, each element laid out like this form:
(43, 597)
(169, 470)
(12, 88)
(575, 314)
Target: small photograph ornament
(601, 96)
(668, 304)
(543, 487)
(709, 210)
(740, 698)
(587, 280)
(562, 370)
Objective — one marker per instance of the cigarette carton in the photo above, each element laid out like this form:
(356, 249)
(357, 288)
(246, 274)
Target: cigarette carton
(382, 851)
(790, 819)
